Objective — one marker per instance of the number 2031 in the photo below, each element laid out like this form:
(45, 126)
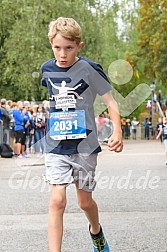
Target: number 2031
(65, 125)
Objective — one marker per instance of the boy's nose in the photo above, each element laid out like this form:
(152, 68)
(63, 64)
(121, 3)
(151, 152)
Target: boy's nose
(63, 54)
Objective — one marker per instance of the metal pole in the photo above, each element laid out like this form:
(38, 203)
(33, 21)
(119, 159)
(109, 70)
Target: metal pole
(152, 109)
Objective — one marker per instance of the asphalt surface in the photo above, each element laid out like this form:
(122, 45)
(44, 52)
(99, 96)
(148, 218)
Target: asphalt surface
(131, 194)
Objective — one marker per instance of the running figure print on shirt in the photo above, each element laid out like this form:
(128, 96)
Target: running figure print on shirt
(65, 98)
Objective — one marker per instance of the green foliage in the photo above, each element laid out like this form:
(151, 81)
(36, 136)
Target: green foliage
(24, 44)
(152, 42)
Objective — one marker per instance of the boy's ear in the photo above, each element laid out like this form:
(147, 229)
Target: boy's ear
(81, 44)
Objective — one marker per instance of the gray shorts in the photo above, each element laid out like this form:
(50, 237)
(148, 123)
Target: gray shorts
(66, 169)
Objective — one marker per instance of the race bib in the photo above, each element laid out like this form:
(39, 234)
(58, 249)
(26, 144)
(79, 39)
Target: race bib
(67, 125)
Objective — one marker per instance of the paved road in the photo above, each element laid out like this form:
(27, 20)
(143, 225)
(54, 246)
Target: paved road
(131, 193)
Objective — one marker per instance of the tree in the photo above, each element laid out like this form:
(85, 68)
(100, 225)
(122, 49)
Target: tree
(153, 38)
(25, 46)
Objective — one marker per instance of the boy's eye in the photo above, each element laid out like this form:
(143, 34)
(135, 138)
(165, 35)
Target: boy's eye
(69, 48)
(57, 47)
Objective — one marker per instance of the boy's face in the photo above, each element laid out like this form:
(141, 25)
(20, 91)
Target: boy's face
(65, 51)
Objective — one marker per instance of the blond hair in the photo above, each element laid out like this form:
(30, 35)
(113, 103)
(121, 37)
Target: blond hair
(66, 27)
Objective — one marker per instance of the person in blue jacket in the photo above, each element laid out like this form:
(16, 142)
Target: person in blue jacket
(21, 120)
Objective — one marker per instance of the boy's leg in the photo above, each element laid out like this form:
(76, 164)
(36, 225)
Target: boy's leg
(89, 206)
(55, 219)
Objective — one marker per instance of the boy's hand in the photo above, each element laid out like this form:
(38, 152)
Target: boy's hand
(115, 142)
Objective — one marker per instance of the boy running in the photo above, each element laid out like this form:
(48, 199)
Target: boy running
(71, 142)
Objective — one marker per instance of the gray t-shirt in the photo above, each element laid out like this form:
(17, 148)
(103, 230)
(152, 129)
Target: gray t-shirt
(72, 91)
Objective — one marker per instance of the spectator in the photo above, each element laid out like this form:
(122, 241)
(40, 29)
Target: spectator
(30, 139)
(146, 129)
(39, 124)
(134, 124)
(127, 129)
(21, 119)
(163, 131)
(123, 122)
(6, 122)
(13, 107)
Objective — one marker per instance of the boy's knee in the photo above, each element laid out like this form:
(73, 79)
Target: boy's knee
(57, 203)
(85, 205)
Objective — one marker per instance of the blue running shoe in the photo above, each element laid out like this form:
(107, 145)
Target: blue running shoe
(99, 242)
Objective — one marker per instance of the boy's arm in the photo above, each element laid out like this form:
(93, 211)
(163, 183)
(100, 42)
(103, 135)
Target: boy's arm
(115, 141)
